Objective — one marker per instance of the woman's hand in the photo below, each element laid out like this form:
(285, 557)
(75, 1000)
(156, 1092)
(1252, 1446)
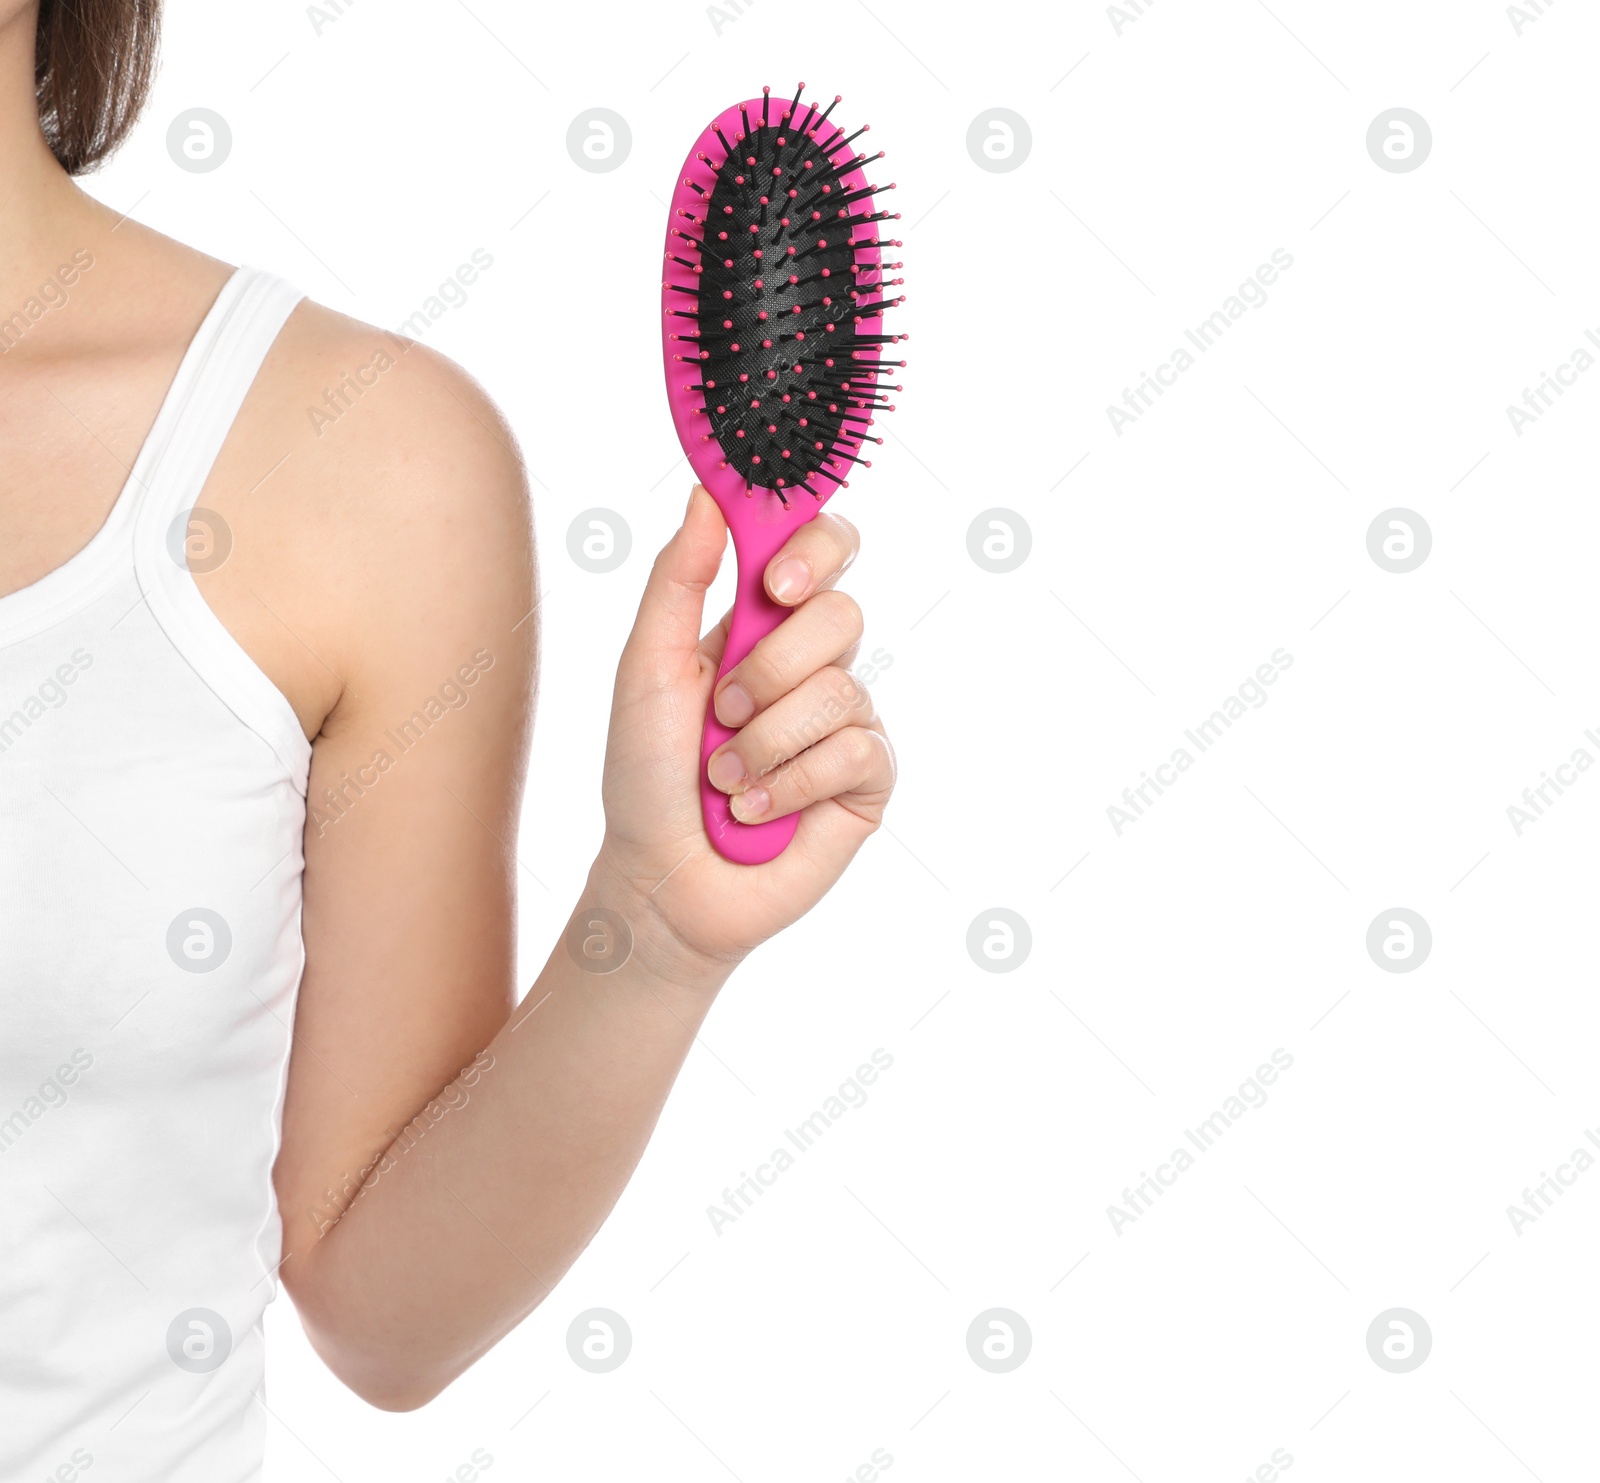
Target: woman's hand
(810, 742)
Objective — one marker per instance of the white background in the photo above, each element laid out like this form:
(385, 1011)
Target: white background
(1171, 154)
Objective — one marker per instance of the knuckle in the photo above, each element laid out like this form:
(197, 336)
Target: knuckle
(836, 695)
(798, 777)
(842, 533)
(847, 691)
(860, 748)
(761, 750)
(786, 651)
(758, 673)
(844, 613)
(890, 759)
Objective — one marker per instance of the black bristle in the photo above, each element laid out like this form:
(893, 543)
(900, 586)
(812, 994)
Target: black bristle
(772, 353)
(816, 127)
(803, 127)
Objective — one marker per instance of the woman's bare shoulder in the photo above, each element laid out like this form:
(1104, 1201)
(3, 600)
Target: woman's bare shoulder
(377, 500)
(335, 397)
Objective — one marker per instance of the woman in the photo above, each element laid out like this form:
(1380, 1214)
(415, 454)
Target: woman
(216, 606)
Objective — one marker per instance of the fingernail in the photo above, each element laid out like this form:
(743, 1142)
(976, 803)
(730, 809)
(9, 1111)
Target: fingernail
(694, 489)
(734, 705)
(750, 804)
(790, 578)
(726, 771)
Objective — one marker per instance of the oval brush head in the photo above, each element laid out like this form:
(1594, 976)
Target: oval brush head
(773, 307)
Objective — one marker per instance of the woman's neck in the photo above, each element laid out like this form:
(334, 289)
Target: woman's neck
(43, 214)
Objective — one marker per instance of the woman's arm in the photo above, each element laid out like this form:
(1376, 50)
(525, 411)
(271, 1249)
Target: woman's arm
(493, 1143)
(489, 1196)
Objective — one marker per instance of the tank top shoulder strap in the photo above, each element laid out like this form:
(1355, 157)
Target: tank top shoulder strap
(170, 535)
(216, 372)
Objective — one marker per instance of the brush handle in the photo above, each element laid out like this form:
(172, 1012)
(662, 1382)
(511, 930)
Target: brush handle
(755, 615)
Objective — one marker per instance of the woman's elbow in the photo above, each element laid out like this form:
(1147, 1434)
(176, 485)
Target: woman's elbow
(367, 1362)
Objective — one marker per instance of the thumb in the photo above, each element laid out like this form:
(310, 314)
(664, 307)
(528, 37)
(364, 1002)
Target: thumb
(666, 632)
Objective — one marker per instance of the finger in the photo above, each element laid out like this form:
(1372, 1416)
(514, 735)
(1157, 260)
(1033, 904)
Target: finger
(812, 559)
(855, 766)
(667, 629)
(823, 703)
(819, 633)
(714, 640)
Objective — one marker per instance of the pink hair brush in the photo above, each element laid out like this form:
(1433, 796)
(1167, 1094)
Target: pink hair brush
(773, 341)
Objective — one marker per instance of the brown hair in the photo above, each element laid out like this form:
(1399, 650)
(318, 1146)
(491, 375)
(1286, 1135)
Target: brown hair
(93, 62)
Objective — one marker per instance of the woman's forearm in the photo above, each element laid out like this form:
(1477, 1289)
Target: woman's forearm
(476, 1210)
(479, 1206)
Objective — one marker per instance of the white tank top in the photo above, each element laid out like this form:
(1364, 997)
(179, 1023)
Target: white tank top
(152, 798)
